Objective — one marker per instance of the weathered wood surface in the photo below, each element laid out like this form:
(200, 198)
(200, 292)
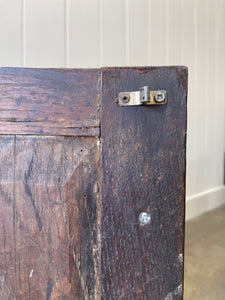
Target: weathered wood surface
(63, 235)
(143, 169)
(49, 247)
(49, 101)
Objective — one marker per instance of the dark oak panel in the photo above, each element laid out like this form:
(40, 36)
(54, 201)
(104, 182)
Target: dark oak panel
(49, 101)
(49, 209)
(70, 201)
(143, 169)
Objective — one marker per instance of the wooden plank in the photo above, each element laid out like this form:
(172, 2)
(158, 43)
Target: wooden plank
(143, 169)
(48, 219)
(49, 101)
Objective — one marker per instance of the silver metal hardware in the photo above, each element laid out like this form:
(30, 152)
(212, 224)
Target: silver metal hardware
(144, 218)
(125, 98)
(142, 97)
(144, 94)
(160, 96)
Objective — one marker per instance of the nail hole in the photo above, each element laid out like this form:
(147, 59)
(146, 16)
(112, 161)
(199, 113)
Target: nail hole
(125, 99)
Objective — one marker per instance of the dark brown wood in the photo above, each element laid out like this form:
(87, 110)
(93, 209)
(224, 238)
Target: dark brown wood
(143, 169)
(69, 212)
(48, 218)
(49, 101)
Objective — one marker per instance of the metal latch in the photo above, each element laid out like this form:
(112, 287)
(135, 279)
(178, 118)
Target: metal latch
(142, 97)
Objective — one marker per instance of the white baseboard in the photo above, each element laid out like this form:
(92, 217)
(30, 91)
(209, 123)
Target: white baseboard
(204, 202)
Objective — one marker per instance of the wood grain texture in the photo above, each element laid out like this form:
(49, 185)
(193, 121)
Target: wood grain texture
(49, 101)
(49, 209)
(143, 169)
(69, 224)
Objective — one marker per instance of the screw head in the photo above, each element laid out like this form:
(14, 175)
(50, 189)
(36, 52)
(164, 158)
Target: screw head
(160, 96)
(125, 98)
(144, 218)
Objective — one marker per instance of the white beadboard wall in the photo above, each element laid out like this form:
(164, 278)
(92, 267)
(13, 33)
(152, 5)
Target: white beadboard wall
(94, 33)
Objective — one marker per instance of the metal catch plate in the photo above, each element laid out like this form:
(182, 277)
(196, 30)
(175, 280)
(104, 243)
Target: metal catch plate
(142, 97)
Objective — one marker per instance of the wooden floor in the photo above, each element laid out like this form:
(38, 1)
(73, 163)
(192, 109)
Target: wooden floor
(204, 275)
